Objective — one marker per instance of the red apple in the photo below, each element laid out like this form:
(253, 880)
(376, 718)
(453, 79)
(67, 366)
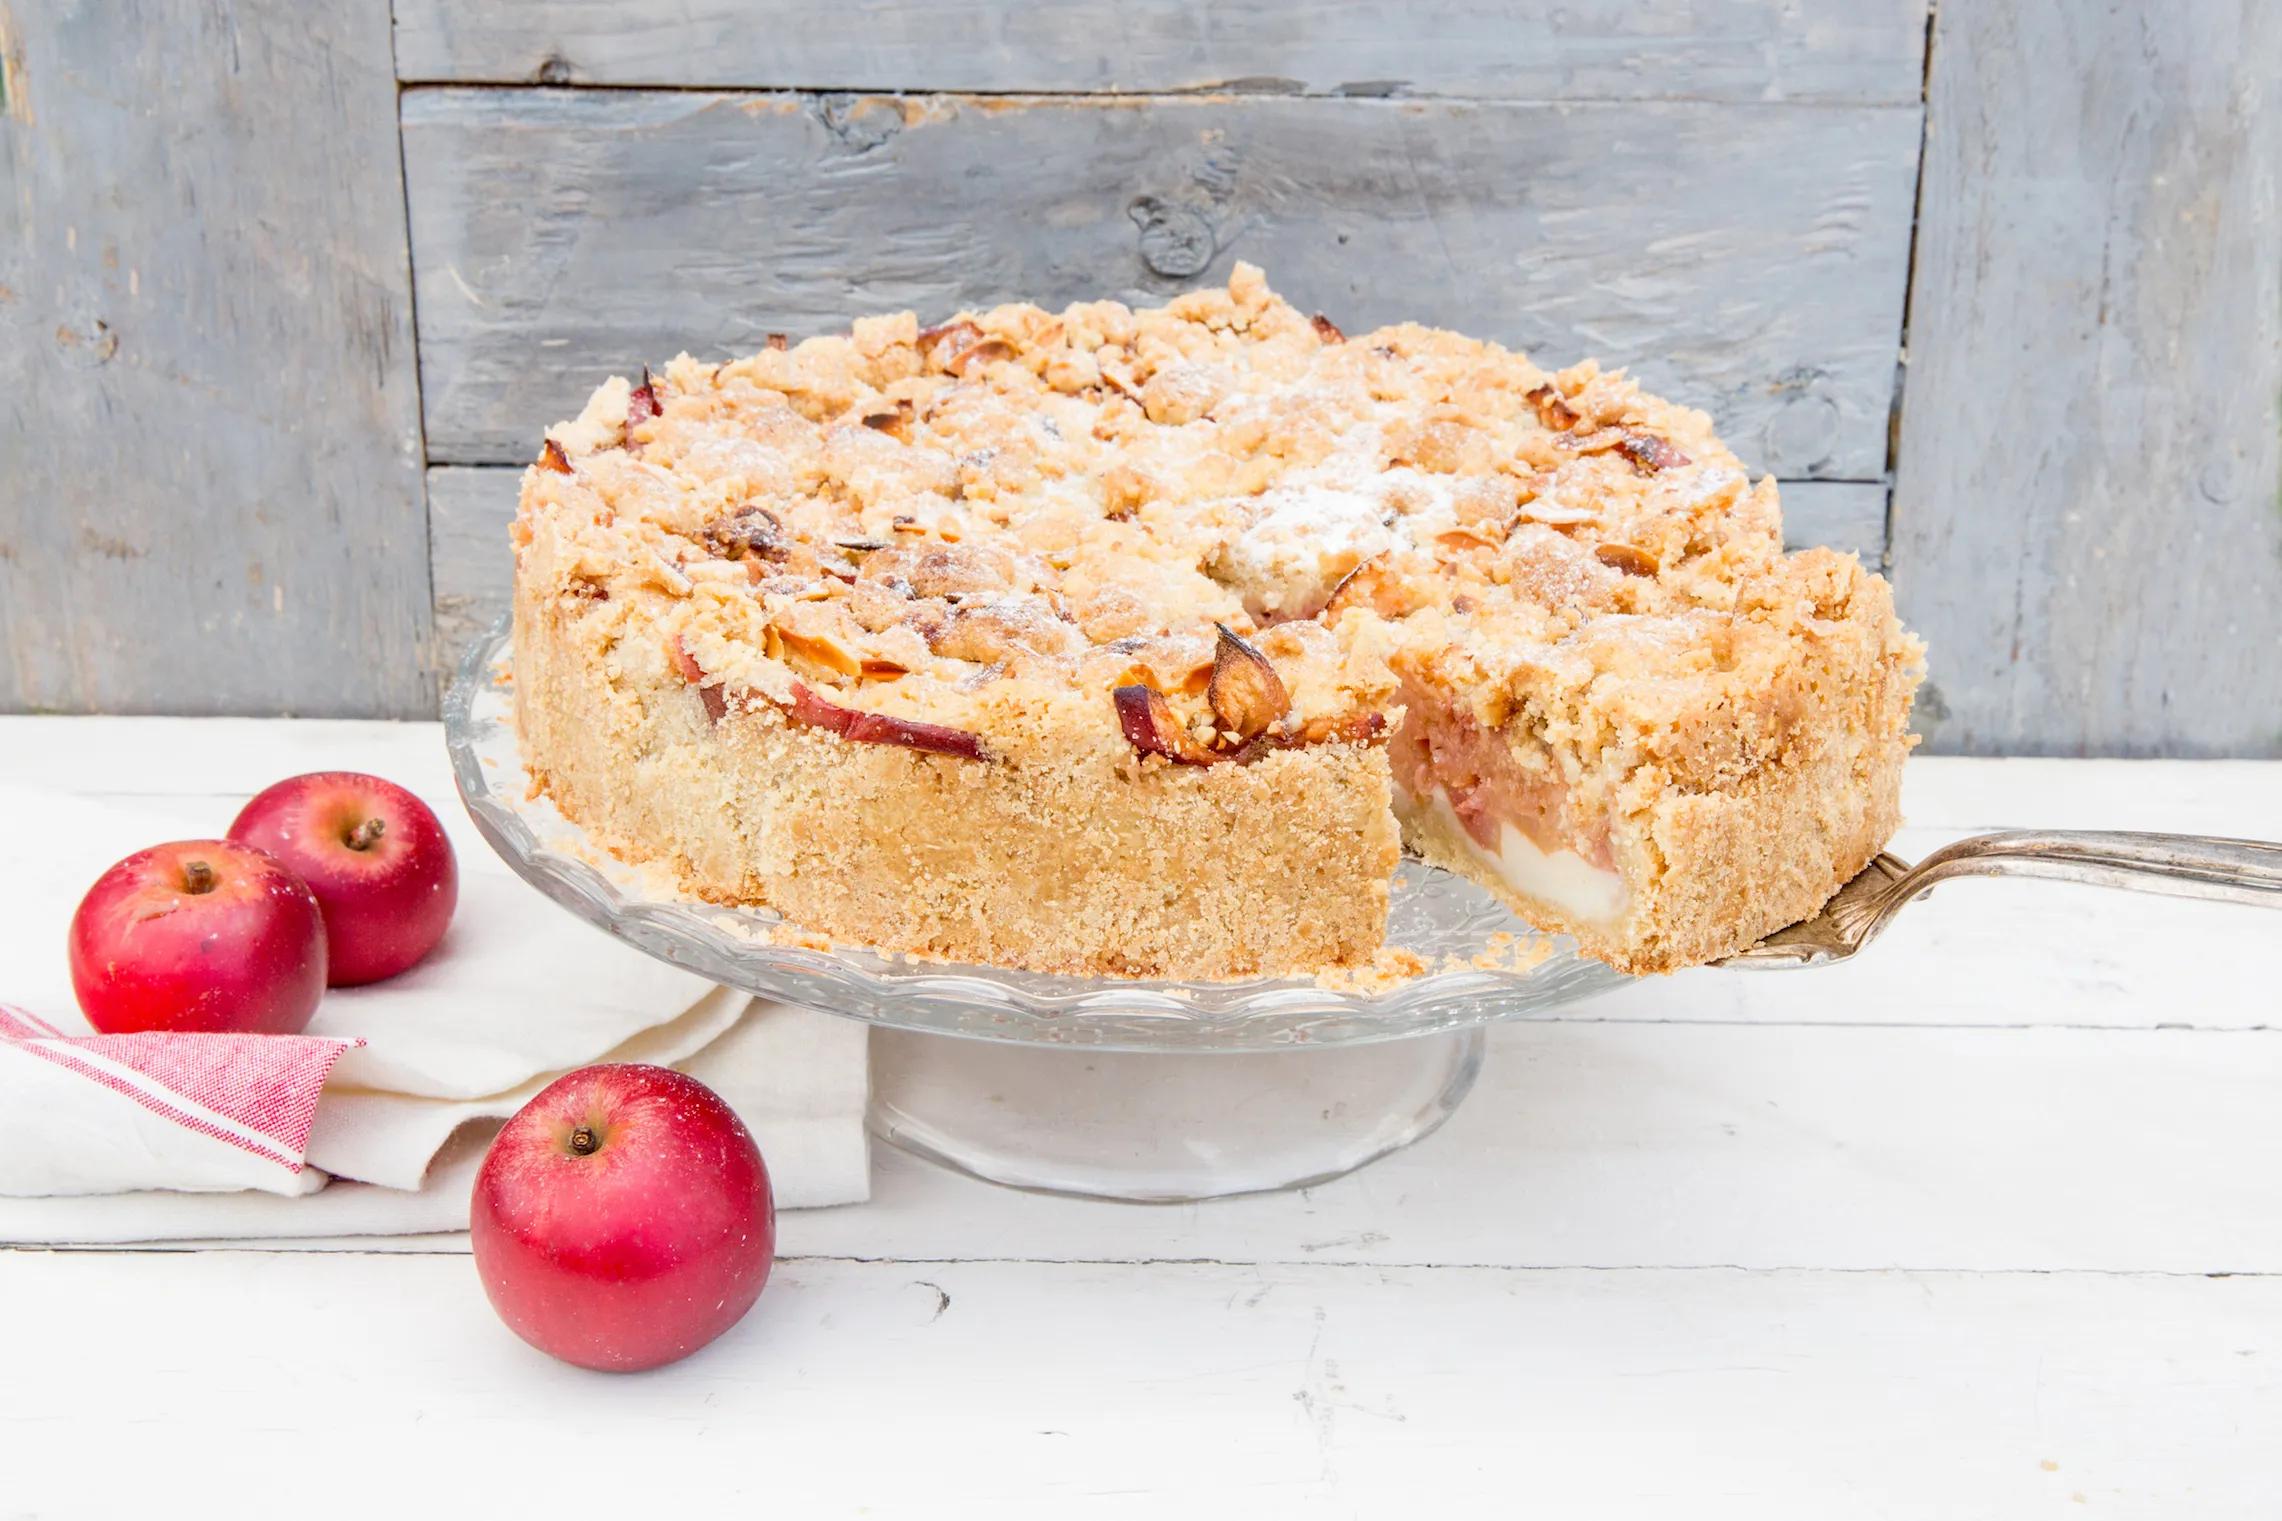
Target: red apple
(199, 935)
(376, 857)
(622, 1219)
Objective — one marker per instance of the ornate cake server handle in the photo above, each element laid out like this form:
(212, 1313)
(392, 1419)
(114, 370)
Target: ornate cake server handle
(2175, 865)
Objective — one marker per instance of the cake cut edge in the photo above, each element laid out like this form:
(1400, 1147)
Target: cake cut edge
(1707, 864)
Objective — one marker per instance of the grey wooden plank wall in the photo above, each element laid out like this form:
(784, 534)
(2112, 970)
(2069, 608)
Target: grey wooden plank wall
(1724, 194)
(2088, 506)
(1741, 50)
(210, 466)
(1763, 279)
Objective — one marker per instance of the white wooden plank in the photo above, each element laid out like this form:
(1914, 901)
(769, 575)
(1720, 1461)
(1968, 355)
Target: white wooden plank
(1681, 1145)
(1016, 1390)
(2015, 954)
(1667, 49)
(1747, 259)
(2085, 523)
(209, 431)
(1966, 795)
(1685, 1146)
(211, 757)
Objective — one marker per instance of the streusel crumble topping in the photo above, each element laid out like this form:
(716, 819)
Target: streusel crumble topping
(1223, 530)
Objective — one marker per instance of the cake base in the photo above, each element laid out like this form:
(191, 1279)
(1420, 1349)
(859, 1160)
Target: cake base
(1163, 1128)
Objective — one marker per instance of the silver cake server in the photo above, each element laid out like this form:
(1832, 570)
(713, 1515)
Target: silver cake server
(2175, 865)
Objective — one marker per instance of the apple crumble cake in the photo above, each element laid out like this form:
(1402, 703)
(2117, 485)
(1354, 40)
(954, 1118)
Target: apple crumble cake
(1143, 642)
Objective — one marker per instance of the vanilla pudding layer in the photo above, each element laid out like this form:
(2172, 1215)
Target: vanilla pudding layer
(1522, 832)
(1516, 866)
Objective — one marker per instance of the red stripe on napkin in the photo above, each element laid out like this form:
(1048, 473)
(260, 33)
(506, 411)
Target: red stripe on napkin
(20, 1024)
(255, 1092)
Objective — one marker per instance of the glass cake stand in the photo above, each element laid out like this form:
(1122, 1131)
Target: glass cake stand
(1155, 1091)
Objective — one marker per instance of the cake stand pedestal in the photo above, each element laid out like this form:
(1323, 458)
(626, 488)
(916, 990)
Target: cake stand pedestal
(1162, 1127)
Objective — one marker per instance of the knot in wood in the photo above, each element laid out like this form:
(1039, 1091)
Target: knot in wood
(1177, 242)
(1802, 433)
(861, 123)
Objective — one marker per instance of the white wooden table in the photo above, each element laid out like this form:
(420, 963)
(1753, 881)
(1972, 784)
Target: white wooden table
(1986, 1224)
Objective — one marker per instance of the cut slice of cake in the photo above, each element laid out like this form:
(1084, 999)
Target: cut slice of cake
(1138, 641)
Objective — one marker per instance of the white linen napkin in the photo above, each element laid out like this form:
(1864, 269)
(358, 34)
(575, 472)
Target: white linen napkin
(518, 993)
(96, 1114)
(796, 1077)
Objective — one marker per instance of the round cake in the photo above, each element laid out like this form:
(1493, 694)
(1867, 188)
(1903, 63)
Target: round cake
(1143, 642)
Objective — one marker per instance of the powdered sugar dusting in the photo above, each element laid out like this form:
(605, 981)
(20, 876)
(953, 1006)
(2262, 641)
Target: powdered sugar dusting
(1708, 483)
(1300, 541)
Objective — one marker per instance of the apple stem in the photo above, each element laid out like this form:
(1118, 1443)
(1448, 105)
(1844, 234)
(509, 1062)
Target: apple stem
(584, 1142)
(367, 834)
(197, 877)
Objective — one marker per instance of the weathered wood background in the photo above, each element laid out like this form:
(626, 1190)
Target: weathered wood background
(291, 288)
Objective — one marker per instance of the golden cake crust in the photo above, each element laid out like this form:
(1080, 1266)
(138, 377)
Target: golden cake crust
(1079, 860)
(1116, 641)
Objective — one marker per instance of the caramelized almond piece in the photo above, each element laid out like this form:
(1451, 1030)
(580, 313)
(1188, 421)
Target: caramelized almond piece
(858, 727)
(826, 654)
(1464, 538)
(1370, 585)
(1553, 410)
(894, 421)
(1153, 728)
(1326, 329)
(1598, 441)
(749, 533)
(1630, 559)
(642, 405)
(988, 351)
(1649, 453)
(955, 346)
(1246, 693)
(960, 334)
(551, 457)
